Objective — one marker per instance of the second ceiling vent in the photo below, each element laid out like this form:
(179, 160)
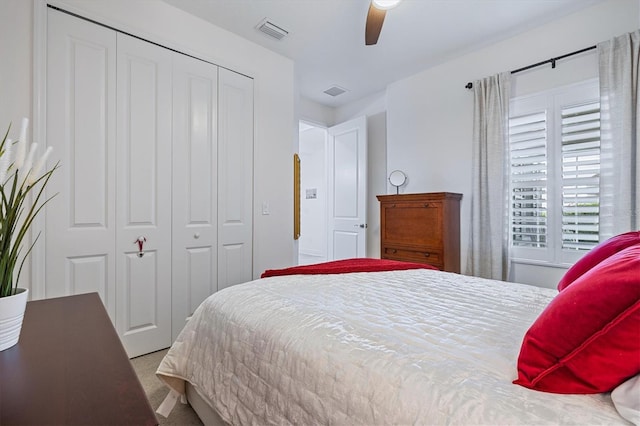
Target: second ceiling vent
(335, 91)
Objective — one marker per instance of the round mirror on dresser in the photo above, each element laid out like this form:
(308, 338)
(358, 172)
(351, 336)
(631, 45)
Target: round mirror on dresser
(397, 178)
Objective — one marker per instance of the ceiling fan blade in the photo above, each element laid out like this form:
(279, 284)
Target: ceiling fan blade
(375, 19)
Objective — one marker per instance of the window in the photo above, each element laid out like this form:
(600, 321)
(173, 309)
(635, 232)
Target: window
(554, 154)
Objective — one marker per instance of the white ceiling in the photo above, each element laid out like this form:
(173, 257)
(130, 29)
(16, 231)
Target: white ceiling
(326, 37)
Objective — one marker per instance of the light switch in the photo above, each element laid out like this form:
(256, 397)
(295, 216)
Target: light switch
(312, 193)
(265, 208)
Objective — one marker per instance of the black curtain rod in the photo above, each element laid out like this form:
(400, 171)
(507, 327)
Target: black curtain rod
(551, 61)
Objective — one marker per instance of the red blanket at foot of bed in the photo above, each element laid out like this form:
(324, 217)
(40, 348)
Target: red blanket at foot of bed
(346, 266)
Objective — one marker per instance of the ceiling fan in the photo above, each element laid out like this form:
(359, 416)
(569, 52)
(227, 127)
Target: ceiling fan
(375, 19)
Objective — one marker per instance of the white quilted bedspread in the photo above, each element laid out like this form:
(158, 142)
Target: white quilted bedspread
(402, 347)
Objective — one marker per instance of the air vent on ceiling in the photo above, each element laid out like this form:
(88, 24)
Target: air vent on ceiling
(271, 29)
(335, 91)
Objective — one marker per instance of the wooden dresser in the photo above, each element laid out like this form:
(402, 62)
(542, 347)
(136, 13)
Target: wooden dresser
(423, 228)
(69, 368)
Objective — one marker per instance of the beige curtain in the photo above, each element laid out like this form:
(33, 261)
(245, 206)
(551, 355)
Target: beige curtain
(488, 254)
(619, 61)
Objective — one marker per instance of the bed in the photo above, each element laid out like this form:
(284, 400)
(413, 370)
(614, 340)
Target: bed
(413, 346)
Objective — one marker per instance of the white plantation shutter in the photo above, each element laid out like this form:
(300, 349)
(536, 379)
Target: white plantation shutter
(580, 176)
(554, 153)
(528, 157)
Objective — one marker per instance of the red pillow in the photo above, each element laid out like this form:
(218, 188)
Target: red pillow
(596, 255)
(587, 340)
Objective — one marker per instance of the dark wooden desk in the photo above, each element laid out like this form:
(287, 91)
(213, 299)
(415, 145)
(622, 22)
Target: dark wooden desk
(69, 367)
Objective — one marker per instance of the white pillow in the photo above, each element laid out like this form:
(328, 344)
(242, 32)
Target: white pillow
(626, 398)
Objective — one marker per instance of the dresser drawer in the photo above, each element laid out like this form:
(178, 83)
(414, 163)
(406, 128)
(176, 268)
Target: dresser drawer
(418, 224)
(432, 257)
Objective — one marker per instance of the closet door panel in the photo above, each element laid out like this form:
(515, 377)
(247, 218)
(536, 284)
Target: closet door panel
(141, 290)
(80, 220)
(200, 263)
(87, 274)
(235, 178)
(195, 194)
(143, 196)
(232, 264)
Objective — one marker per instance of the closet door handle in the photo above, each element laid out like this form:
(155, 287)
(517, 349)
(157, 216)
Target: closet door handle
(140, 242)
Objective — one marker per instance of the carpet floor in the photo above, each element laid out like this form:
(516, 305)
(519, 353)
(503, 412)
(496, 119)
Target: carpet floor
(145, 367)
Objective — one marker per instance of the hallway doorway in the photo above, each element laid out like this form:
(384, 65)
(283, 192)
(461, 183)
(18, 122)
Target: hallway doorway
(312, 245)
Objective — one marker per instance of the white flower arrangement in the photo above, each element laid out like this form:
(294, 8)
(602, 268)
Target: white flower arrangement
(17, 180)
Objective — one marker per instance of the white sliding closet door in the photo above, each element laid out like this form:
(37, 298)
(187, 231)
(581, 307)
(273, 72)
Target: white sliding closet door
(195, 191)
(80, 221)
(143, 188)
(235, 178)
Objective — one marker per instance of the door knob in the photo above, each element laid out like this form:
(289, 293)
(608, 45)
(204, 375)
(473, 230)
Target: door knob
(140, 242)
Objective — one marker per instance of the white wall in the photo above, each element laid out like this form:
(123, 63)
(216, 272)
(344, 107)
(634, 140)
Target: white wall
(15, 68)
(16, 38)
(376, 178)
(429, 115)
(315, 113)
(275, 124)
(369, 106)
(313, 176)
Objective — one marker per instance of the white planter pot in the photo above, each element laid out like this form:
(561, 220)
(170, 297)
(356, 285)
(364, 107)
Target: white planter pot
(11, 315)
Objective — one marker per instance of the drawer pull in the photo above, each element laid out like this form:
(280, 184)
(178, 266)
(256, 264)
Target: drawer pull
(427, 254)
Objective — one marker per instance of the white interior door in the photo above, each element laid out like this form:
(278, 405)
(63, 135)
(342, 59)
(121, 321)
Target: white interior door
(143, 188)
(80, 220)
(235, 178)
(195, 87)
(347, 172)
